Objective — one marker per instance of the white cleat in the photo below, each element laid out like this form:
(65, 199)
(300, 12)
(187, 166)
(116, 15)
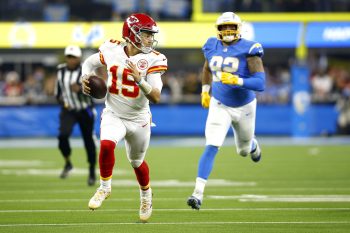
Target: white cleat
(145, 204)
(100, 195)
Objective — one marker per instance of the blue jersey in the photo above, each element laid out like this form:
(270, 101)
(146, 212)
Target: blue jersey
(231, 59)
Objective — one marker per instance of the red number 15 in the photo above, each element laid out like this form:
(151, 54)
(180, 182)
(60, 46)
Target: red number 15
(124, 76)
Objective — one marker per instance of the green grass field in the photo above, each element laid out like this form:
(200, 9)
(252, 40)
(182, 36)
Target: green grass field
(293, 189)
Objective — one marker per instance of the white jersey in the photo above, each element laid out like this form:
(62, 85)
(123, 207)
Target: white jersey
(124, 97)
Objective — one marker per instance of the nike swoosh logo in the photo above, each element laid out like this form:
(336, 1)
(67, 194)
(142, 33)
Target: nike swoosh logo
(144, 125)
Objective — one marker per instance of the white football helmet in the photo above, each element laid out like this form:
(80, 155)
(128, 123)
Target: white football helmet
(228, 35)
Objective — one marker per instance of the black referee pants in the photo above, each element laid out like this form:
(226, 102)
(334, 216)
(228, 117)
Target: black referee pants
(85, 118)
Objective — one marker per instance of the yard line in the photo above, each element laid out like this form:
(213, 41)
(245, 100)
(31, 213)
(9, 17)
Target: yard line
(80, 199)
(180, 210)
(283, 198)
(162, 189)
(165, 223)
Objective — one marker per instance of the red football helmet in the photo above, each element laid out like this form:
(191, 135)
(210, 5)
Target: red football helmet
(134, 25)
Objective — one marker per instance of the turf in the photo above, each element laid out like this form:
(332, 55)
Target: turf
(293, 189)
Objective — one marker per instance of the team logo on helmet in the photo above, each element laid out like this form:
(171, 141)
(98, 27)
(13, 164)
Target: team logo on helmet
(132, 19)
(142, 64)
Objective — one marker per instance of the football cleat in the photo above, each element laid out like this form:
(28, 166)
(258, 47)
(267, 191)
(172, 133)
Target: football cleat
(194, 202)
(66, 170)
(100, 195)
(91, 180)
(145, 205)
(255, 154)
(92, 177)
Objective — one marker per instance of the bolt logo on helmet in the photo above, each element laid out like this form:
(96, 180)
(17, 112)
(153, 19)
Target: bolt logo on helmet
(134, 25)
(232, 33)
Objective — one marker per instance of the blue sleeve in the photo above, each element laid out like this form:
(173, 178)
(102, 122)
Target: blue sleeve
(255, 82)
(208, 46)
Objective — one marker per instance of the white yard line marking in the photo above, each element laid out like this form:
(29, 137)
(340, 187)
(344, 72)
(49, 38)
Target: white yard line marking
(52, 172)
(241, 198)
(283, 198)
(81, 199)
(179, 210)
(271, 189)
(24, 163)
(165, 223)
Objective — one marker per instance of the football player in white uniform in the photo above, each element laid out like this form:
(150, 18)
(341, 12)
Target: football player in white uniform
(134, 78)
(234, 68)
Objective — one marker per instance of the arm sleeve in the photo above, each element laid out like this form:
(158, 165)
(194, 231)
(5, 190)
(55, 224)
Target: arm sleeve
(155, 80)
(91, 63)
(255, 82)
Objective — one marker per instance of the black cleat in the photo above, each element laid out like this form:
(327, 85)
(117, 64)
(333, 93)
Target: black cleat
(92, 177)
(66, 170)
(257, 158)
(194, 203)
(91, 180)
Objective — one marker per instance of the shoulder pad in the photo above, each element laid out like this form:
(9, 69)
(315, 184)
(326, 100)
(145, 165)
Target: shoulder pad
(256, 49)
(109, 44)
(160, 64)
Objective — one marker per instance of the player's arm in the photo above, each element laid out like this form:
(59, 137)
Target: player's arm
(206, 83)
(152, 87)
(92, 63)
(57, 90)
(256, 81)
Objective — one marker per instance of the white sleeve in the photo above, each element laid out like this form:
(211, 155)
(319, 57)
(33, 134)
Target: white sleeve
(155, 80)
(91, 63)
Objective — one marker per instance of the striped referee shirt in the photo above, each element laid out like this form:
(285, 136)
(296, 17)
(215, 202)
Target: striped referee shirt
(63, 90)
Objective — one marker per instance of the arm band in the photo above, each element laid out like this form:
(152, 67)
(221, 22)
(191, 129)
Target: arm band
(145, 87)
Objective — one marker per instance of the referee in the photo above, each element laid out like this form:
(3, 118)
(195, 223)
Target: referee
(75, 108)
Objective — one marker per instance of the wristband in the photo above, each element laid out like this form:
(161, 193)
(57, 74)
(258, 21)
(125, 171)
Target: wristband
(205, 88)
(145, 87)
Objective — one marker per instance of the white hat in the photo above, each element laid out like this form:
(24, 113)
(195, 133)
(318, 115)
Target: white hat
(72, 50)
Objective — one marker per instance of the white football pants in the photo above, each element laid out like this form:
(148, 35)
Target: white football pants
(241, 119)
(136, 133)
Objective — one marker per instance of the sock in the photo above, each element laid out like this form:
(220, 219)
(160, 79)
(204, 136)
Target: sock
(199, 188)
(206, 161)
(142, 175)
(255, 149)
(106, 159)
(106, 184)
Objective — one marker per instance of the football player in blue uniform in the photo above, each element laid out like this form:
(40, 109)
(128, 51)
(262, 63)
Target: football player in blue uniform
(233, 69)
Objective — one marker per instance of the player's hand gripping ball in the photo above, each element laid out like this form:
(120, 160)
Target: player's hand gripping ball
(94, 86)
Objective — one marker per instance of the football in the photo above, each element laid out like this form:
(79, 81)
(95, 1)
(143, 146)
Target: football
(98, 88)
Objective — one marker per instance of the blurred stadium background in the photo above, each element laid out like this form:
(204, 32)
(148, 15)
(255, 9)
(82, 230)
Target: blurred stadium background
(302, 184)
(306, 60)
